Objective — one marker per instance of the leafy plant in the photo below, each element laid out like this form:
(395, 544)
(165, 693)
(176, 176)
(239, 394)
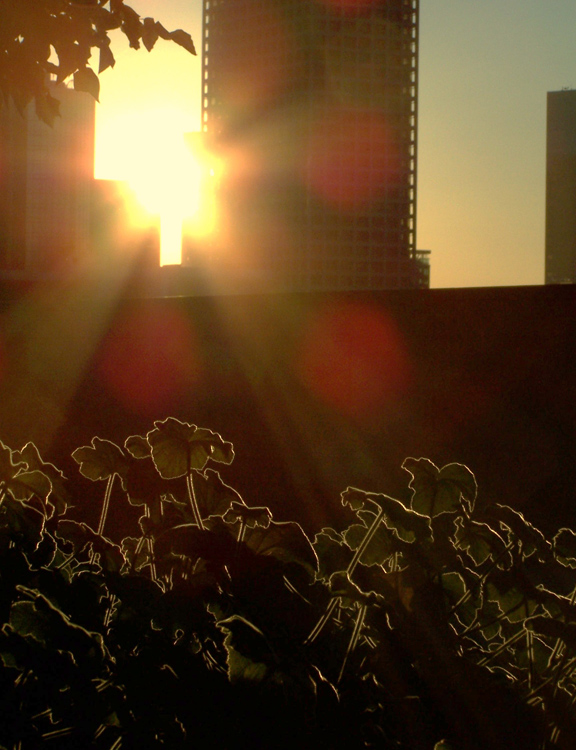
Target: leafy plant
(447, 622)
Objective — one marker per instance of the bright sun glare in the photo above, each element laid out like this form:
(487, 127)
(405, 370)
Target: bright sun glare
(170, 175)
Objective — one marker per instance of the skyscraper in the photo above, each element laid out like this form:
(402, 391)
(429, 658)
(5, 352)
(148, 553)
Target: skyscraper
(46, 176)
(312, 105)
(561, 187)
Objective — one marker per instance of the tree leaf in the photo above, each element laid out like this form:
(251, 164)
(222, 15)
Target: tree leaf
(101, 460)
(179, 447)
(183, 39)
(85, 79)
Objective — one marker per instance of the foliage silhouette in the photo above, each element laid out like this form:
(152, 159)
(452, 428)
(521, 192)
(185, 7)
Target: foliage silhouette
(31, 32)
(447, 623)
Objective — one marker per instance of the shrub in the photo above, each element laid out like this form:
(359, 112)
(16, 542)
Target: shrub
(448, 623)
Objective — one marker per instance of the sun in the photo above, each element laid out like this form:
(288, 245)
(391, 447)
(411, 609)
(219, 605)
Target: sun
(166, 169)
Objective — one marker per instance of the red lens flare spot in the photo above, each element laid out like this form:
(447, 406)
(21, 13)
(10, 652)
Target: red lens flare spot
(150, 359)
(257, 59)
(353, 359)
(351, 159)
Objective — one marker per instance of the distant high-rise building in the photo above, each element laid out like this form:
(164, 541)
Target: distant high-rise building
(46, 176)
(312, 105)
(561, 188)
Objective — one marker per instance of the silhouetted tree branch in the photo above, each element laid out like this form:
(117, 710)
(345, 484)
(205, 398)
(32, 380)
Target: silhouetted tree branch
(43, 38)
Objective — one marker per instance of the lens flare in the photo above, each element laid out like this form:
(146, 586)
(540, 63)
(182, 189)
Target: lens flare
(353, 358)
(350, 158)
(150, 359)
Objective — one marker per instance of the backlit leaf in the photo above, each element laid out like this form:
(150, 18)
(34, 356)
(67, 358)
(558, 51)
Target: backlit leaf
(101, 460)
(436, 491)
(179, 447)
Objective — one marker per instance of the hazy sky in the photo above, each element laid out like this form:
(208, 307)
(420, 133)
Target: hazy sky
(485, 68)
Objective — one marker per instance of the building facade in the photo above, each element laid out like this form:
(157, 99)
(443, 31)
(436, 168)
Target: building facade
(312, 107)
(46, 176)
(561, 187)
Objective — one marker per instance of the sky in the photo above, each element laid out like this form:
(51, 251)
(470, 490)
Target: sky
(485, 67)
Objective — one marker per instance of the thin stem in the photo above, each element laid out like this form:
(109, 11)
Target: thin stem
(503, 647)
(323, 620)
(349, 570)
(468, 593)
(365, 542)
(354, 637)
(3, 492)
(105, 504)
(193, 501)
(152, 560)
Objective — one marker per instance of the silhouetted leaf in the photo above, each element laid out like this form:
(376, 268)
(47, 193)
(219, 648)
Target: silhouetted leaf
(248, 652)
(85, 79)
(27, 484)
(80, 536)
(333, 554)
(252, 517)
(285, 541)
(436, 491)
(380, 547)
(214, 496)
(518, 528)
(9, 464)
(564, 545)
(101, 460)
(179, 447)
(138, 446)
(479, 540)
(59, 495)
(39, 618)
(183, 39)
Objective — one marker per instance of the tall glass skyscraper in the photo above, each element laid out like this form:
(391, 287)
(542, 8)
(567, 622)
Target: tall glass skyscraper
(312, 105)
(561, 188)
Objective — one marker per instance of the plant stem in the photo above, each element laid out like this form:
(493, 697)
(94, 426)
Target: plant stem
(323, 620)
(354, 637)
(349, 570)
(105, 504)
(3, 492)
(365, 542)
(503, 647)
(193, 501)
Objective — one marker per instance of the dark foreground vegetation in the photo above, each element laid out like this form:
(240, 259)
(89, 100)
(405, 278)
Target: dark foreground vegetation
(448, 623)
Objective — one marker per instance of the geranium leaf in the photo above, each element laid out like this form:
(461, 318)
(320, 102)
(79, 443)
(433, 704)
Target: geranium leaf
(564, 544)
(9, 468)
(436, 491)
(179, 447)
(214, 496)
(59, 496)
(101, 460)
(285, 541)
